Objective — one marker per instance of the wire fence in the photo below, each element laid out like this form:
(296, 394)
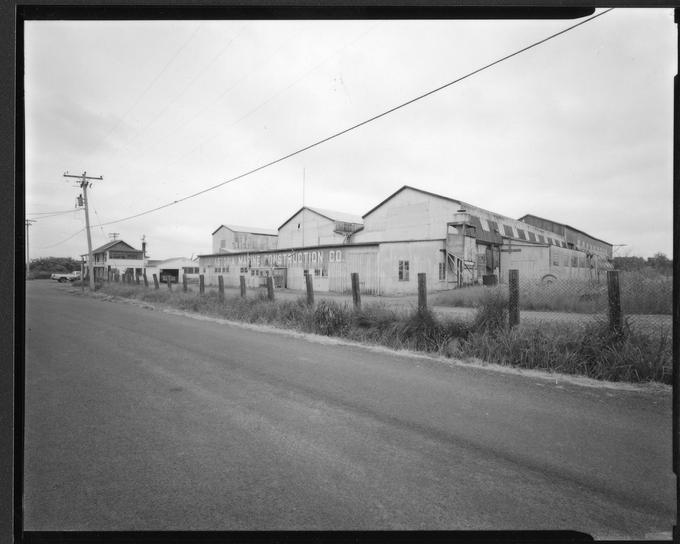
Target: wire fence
(641, 302)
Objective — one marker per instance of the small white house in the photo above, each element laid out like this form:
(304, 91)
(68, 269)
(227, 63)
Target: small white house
(174, 269)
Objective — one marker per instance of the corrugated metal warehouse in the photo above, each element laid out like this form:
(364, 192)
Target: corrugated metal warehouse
(411, 231)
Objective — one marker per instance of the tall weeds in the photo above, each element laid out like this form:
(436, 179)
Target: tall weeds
(590, 350)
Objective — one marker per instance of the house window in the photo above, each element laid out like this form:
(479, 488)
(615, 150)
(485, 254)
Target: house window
(532, 236)
(508, 231)
(223, 244)
(442, 271)
(521, 234)
(493, 226)
(403, 270)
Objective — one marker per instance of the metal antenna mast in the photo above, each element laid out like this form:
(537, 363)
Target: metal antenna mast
(85, 182)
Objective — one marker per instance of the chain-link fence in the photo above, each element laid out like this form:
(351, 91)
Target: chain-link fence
(641, 302)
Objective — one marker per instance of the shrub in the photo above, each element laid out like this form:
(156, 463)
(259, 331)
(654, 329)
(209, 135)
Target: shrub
(492, 311)
(331, 319)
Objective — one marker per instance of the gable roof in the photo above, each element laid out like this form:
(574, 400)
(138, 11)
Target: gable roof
(562, 225)
(251, 230)
(113, 243)
(331, 215)
(418, 191)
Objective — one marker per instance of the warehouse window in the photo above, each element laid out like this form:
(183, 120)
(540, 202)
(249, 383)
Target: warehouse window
(508, 231)
(565, 260)
(574, 261)
(556, 258)
(442, 271)
(532, 236)
(550, 240)
(541, 239)
(521, 234)
(403, 270)
(493, 226)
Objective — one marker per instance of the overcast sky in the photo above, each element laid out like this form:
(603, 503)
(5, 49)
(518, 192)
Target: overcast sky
(578, 129)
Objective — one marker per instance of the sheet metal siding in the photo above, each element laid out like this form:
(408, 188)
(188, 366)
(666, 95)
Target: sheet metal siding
(314, 230)
(338, 261)
(422, 257)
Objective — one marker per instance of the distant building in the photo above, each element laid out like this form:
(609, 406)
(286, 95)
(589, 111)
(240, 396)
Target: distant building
(234, 238)
(315, 227)
(412, 231)
(116, 256)
(174, 269)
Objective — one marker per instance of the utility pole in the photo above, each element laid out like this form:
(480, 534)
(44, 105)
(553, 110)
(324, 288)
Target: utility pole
(28, 256)
(84, 184)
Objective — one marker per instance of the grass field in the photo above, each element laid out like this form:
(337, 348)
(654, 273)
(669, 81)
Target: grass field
(640, 294)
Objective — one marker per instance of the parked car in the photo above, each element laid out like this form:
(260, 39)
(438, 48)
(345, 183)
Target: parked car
(63, 277)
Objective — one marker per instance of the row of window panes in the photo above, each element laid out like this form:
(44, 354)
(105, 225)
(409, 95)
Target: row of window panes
(531, 236)
(576, 261)
(219, 270)
(318, 272)
(190, 270)
(403, 270)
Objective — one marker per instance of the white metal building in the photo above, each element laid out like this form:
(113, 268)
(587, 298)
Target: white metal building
(234, 238)
(174, 269)
(411, 231)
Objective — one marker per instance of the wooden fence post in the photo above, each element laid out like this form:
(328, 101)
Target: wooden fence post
(220, 288)
(82, 277)
(614, 291)
(201, 284)
(136, 278)
(184, 283)
(155, 281)
(422, 291)
(513, 300)
(146, 280)
(169, 281)
(356, 294)
(242, 282)
(310, 289)
(270, 288)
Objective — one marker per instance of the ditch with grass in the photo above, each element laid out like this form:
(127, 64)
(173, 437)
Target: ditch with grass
(589, 349)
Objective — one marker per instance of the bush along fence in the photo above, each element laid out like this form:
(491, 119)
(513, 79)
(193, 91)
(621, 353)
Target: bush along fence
(610, 345)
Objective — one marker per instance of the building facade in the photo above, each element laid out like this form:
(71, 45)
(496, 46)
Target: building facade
(115, 257)
(174, 269)
(454, 243)
(234, 238)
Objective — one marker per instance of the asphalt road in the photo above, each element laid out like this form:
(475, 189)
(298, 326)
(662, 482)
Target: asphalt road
(143, 420)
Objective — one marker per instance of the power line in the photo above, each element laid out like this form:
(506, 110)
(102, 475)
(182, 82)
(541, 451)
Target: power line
(64, 240)
(358, 125)
(50, 213)
(146, 90)
(61, 214)
(224, 93)
(273, 96)
(184, 90)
